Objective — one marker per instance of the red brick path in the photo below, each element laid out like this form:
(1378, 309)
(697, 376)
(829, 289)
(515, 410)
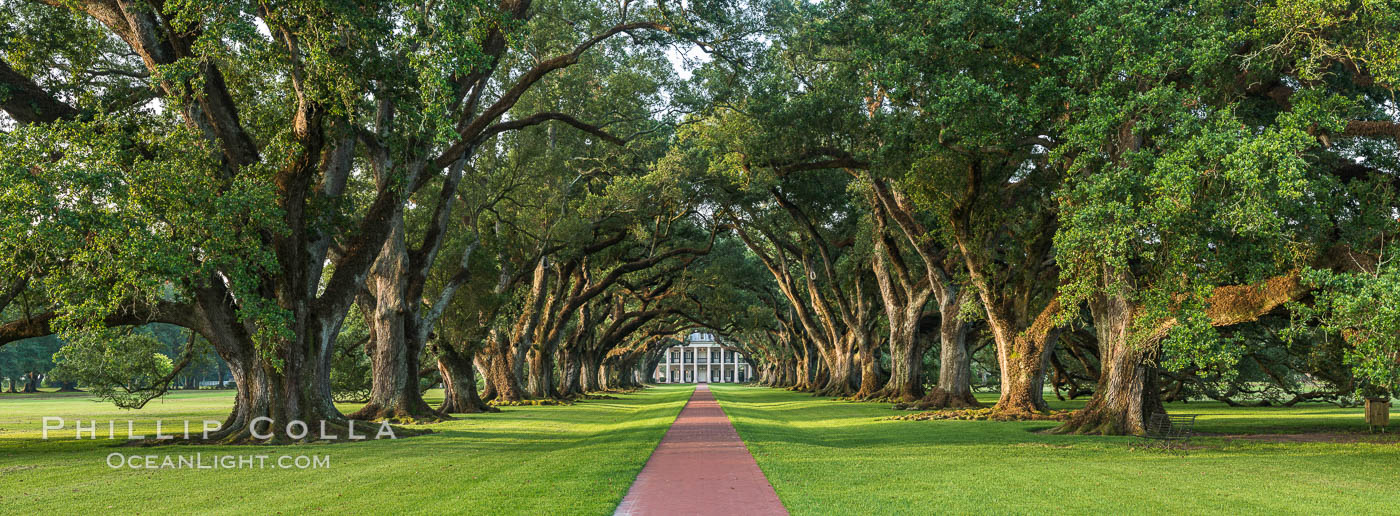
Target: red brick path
(701, 467)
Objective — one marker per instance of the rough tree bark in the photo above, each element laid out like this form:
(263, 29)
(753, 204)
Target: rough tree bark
(502, 384)
(395, 346)
(840, 379)
(590, 375)
(954, 388)
(1022, 341)
(1126, 396)
(1127, 393)
(1022, 358)
(904, 302)
(488, 389)
(569, 369)
(459, 383)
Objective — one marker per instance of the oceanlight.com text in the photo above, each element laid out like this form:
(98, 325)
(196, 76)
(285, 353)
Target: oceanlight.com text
(215, 461)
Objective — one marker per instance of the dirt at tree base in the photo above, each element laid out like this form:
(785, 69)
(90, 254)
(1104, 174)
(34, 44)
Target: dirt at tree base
(529, 403)
(980, 414)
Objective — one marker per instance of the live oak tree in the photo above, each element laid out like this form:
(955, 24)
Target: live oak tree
(912, 117)
(1232, 157)
(219, 239)
(801, 225)
(818, 108)
(966, 150)
(396, 284)
(254, 240)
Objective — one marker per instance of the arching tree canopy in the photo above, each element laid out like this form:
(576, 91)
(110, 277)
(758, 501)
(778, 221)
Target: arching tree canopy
(877, 200)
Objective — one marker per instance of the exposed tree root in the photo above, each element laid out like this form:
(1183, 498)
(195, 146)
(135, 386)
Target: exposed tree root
(467, 408)
(877, 396)
(836, 390)
(1094, 420)
(400, 415)
(941, 399)
(541, 402)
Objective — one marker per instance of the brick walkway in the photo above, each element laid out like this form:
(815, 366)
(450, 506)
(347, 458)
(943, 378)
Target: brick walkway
(700, 468)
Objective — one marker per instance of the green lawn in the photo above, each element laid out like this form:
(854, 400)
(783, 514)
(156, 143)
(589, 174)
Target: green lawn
(577, 459)
(829, 457)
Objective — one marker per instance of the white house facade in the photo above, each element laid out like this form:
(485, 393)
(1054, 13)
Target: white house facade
(702, 359)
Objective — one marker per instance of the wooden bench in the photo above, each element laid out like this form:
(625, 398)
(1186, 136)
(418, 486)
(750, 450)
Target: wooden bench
(1170, 431)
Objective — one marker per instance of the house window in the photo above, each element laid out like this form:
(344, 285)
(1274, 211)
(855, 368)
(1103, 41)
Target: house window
(689, 356)
(729, 356)
(714, 375)
(675, 376)
(689, 376)
(675, 357)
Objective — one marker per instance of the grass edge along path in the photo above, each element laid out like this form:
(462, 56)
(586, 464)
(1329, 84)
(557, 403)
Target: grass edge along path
(829, 457)
(701, 467)
(575, 459)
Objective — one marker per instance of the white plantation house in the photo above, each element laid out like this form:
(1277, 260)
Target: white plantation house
(702, 358)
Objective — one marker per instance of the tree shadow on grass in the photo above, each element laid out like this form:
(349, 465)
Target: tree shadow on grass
(764, 416)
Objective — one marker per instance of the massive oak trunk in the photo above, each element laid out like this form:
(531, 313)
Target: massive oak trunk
(289, 394)
(606, 378)
(627, 373)
(1127, 393)
(590, 374)
(488, 389)
(869, 361)
(1023, 360)
(840, 379)
(396, 340)
(906, 363)
(569, 368)
(809, 368)
(540, 380)
(459, 383)
(1126, 396)
(292, 385)
(499, 372)
(954, 388)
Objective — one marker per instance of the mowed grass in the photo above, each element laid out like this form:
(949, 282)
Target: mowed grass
(577, 459)
(832, 457)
